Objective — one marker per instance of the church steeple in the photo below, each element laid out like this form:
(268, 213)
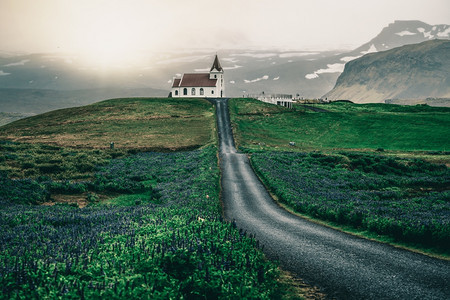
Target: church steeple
(216, 65)
(216, 73)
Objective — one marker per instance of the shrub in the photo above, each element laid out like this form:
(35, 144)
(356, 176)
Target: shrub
(66, 187)
(25, 191)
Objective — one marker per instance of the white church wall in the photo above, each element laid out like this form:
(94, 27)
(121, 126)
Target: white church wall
(210, 92)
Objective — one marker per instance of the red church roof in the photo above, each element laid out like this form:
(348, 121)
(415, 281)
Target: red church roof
(194, 80)
(176, 82)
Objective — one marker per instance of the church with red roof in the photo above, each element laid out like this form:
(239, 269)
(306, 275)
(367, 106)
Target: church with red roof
(200, 85)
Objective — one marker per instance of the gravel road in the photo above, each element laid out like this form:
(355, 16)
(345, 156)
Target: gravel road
(343, 266)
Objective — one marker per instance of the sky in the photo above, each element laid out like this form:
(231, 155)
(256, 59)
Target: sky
(119, 28)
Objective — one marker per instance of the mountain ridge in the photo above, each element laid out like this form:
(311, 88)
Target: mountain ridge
(414, 71)
(310, 74)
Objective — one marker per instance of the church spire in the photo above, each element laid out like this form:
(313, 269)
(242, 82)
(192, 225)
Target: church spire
(216, 65)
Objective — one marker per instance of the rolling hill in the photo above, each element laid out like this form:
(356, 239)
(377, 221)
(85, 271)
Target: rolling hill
(416, 71)
(36, 101)
(137, 124)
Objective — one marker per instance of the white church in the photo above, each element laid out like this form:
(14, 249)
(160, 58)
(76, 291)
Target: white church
(200, 85)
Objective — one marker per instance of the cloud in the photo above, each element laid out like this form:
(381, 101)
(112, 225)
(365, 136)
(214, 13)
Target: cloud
(349, 58)
(256, 55)
(225, 68)
(45, 26)
(230, 59)
(265, 77)
(184, 59)
(20, 63)
(311, 76)
(444, 34)
(297, 54)
(331, 68)
(232, 68)
(405, 32)
(4, 73)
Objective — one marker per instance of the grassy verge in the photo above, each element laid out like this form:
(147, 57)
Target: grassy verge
(404, 200)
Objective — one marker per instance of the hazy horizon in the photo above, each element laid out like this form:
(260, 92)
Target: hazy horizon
(114, 28)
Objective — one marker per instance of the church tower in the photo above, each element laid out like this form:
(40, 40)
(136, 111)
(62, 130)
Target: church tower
(216, 72)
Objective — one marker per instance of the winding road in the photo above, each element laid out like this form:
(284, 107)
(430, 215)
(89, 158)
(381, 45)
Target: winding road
(341, 265)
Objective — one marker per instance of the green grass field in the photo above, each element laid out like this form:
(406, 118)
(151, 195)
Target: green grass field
(80, 220)
(144, 124)
(159, 213)
(345, 126)
(365, 168)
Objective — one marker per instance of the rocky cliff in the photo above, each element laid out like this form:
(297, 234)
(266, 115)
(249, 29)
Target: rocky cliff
(416, 71)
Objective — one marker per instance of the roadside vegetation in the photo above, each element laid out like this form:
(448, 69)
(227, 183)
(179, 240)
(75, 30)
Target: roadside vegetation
(356, 166)
(123, 223)
(407, 200)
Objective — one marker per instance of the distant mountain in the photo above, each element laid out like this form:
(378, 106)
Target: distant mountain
(402, 33)
(6, 118)
(310, 74)
(416, 71)
(36, 101)
(396, 34)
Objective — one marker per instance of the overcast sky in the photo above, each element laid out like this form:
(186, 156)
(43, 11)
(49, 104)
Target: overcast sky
(94, 26)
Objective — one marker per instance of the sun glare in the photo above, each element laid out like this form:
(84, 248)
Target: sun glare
(110, 46)
(110, 40)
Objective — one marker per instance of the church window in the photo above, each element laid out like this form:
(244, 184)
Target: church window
(215, 76)
(176, 93)
(212, 91)
(193, 91)
(202, 91)
(185, 91)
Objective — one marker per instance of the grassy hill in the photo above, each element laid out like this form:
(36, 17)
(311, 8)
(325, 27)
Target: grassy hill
(150, 223)
(137, 123)
(259, 125)
(70, 144)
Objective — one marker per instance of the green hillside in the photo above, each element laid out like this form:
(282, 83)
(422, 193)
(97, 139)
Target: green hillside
(374, 170)
(144, 123)
(98, 223)
(259, 125)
